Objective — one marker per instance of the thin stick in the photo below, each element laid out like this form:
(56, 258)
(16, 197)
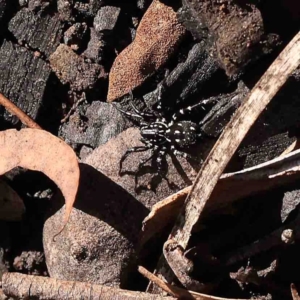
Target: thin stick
(177, 291)
(294, 292)
(163, 285)
(228, 142)
(294, 146)
(23, 286)
(231, 187)
(13, 109)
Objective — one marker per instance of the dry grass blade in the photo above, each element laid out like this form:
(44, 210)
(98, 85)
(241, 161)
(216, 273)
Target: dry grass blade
(230, 139)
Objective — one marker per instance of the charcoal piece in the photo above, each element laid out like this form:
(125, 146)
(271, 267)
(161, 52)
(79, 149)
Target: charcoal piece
(85, 151)
(39, 32)
(75, 35)
(253, 151)
(185, 82)
(71, 68)
(106, 19)
(221, 113)
(39, 5)
(25, 82)
(82, 8)
(290, 202)
(23, 2)
(95, 6)
(31, 262)
(65, 9)
(143, 4)
(104, 121)
(96, 47)
(3, 7)
(269, 136)
(235, 45)
(3, 268)
(189, 18)
(89, 9)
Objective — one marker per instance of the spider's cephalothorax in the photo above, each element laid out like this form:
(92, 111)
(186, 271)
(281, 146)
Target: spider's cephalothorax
(161, 136)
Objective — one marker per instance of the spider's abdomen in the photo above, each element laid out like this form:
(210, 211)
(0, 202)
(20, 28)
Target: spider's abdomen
(182, 133)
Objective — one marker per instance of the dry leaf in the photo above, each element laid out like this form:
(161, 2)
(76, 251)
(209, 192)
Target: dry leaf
(11, 205)
(39, 150)
(157, 38)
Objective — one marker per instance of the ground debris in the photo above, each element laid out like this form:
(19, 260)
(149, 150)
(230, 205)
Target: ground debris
(71, 68)
(27, 286)
(97, 245)
(95, 48)
(150, 187)
(27, 25)
(101, 122)
(106, 19)
(26, 82)
(76, 35)
(223, 21)
(154, 43)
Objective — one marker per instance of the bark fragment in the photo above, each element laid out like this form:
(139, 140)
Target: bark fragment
(26, 81)
(27, 27)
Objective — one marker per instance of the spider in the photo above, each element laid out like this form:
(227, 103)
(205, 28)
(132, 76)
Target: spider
(162, 136)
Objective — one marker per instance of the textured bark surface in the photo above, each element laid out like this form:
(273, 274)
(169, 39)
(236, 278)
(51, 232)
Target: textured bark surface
(24, 79)
(27, 26)
(230, 139)
(71, 68)
(237, 30)
(27, 287)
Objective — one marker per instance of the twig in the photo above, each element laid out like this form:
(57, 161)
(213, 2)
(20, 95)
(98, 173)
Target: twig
(294, 146)
(294, 292)
(230, 187)
(228, 142)
(24, 286)
(13, 109)
(73, 108)
(273, 239)
(177, 291)
(170, 289)
(248, 275)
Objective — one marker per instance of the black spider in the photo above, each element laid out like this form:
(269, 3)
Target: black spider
(162, 136)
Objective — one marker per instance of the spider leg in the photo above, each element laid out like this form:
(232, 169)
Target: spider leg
(141, 113)
(185, 111)
(131, 150)
(128, 113)
(184, 154)
(161, 154)
(159, 98)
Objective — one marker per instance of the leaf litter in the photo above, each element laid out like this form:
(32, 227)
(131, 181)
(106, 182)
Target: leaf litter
(39, 150)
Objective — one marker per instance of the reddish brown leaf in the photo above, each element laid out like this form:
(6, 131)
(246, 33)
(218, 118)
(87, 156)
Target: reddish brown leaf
(39, 150)
(157, 38)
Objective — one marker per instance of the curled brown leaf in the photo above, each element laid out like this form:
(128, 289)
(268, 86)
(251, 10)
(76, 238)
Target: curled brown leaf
(39, 150)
